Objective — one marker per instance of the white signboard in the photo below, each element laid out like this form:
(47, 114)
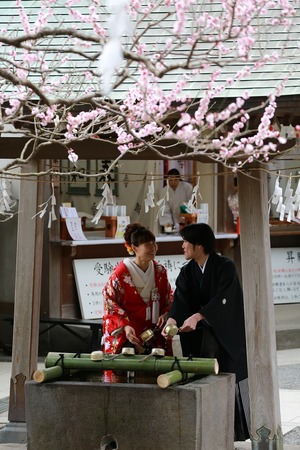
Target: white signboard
(92, 274)
(286, 274)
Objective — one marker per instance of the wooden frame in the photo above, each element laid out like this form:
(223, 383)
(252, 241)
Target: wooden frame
(78, 184)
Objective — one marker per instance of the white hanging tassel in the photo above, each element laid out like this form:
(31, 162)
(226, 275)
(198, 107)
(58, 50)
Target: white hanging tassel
(100, 209)
(288, 191)
(289, 217)
(149, 201)
(107, 194)
(148, 313)
(192, 203)
(277, 199)
(297, 192)
(52, 215)
(282, 211)
(50, 202)
(279, 205)
(107, 198)
(297, 201)
(290, 201)
(277, 192)
(155, 311)
(162, 202)
(155, 305)
(7, 202)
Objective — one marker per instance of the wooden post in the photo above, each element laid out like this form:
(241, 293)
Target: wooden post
(55, 254)
(266, 431)
(27, 293)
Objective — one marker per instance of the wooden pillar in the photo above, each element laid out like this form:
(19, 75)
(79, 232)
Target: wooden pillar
(266, 431)
(55, 253)
(27, 292)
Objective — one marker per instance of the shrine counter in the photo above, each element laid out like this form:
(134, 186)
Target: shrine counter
(169, 243)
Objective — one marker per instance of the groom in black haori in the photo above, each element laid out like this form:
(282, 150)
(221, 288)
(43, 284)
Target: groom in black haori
(208, 309)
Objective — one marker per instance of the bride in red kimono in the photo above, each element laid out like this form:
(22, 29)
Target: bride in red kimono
(137, 295)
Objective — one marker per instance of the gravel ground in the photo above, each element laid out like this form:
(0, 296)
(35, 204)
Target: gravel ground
(289, 377)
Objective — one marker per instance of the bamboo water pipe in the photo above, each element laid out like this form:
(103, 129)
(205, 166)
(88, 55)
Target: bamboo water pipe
(175, 376)
(47, 374)
(205, 366)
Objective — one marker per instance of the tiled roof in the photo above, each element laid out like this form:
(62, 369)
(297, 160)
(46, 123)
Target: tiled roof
(259, 83)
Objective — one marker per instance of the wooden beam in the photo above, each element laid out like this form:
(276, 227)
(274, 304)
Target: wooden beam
(266, 431)
(27, 294)
(11, 147)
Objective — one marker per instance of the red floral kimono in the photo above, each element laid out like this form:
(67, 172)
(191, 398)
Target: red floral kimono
(123, 305)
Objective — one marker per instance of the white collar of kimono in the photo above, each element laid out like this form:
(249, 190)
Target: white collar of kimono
(202, 268)
(143, 281)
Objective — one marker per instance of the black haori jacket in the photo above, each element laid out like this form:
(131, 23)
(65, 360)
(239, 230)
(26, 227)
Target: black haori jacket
(218, 296)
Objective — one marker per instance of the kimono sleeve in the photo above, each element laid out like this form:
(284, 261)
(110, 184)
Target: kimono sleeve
(180, 308)
(114, 315)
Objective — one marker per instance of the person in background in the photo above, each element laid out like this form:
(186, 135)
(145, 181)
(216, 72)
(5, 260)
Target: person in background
(180, 192)
(137, 295)
(209, 312)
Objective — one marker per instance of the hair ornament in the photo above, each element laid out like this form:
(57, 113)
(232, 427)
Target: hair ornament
(129, 249)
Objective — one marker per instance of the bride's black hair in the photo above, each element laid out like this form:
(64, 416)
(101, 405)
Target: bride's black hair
(136, 234)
